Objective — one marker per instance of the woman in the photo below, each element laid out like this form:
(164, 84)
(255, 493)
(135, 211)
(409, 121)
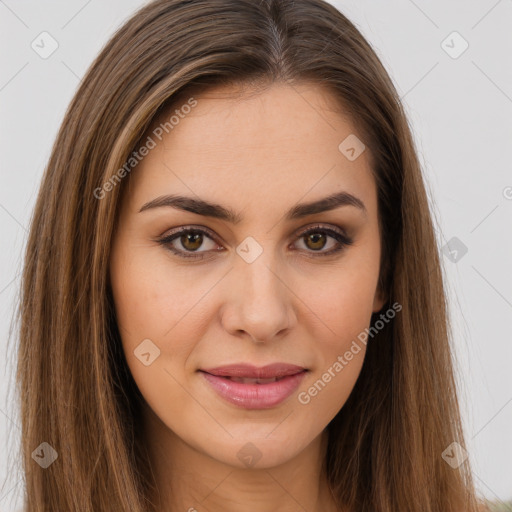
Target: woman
(232, 297)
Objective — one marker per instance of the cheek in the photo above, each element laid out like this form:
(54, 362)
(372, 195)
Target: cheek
(151, 298)
(158, 302)
(342, 302)
(325, 393)
(155, 315)
(342, 310)
(340, 349)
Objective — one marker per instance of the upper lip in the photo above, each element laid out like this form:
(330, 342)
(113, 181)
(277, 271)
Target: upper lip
(254, 372)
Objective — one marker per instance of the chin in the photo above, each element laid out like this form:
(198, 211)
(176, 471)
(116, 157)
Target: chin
(258, 451)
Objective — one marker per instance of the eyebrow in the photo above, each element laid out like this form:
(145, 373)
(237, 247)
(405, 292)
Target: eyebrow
(200, 207)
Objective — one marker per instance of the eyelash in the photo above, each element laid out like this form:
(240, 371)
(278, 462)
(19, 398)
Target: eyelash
(342, 239)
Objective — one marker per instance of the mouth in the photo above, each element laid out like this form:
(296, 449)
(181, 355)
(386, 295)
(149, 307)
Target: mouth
(251, 387)
(250, 380)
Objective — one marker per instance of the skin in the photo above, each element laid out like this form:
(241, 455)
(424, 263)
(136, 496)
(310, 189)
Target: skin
(258, 155)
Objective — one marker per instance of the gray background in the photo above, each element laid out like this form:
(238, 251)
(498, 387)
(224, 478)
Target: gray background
(460, 110)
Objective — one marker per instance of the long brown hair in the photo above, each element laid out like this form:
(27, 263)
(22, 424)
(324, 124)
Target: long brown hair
(75, 390)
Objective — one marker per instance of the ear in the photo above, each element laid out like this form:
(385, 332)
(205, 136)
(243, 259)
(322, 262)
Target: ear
(378, 301)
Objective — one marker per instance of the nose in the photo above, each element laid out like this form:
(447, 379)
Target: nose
(259, 302)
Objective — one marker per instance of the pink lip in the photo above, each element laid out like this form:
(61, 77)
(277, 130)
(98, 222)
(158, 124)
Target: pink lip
(251, 395)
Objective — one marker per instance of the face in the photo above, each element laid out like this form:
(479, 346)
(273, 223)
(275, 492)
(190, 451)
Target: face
(239, 305)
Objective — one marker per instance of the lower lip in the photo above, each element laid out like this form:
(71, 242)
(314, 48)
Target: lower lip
(255, 396)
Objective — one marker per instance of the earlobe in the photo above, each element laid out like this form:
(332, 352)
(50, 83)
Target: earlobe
(378, 301)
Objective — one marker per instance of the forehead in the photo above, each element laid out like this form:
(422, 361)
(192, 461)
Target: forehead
(252, 144)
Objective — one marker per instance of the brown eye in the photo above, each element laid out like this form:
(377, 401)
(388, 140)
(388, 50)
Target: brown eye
(191, 241)
(186, 241)
(315, 241)
(317, 238)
